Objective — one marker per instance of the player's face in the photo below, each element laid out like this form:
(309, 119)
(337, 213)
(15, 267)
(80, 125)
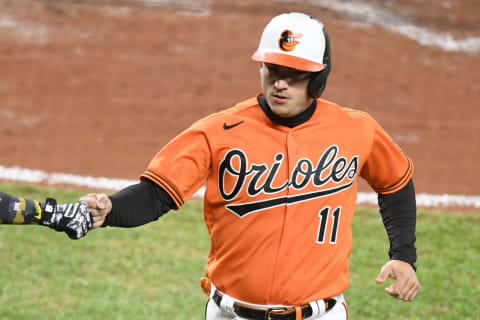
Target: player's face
(285, 89)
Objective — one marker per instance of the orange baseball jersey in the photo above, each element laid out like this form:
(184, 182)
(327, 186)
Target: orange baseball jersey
(279, 201)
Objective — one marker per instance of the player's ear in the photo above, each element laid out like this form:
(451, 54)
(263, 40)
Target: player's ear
(260, 70)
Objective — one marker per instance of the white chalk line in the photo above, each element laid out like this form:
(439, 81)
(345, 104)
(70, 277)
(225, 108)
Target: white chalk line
(186, 7)
(358, 10)
(373, 14)
(102, 183)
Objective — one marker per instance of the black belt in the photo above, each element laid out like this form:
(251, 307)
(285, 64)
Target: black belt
(272, 313)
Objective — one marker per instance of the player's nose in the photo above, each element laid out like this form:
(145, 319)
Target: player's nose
(280, 84)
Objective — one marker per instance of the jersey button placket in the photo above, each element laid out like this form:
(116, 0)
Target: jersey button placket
(285, 250)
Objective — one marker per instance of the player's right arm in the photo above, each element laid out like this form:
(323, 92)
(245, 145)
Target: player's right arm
(172, 177)
(133, 206)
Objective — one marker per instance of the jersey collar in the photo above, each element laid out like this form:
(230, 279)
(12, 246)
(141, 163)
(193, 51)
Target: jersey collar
(290, 122)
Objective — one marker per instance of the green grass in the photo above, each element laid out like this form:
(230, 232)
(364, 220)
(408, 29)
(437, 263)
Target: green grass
(153, 272)
(448, 247)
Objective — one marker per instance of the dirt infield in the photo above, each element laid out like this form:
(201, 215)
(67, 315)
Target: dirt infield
(97, 87)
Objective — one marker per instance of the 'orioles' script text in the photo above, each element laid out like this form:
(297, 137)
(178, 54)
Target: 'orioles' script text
(330, 167)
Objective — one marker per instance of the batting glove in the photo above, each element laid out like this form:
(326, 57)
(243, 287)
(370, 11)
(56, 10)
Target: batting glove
(74, 219)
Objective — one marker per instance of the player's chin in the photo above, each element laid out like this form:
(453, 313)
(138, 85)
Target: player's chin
(281, 110)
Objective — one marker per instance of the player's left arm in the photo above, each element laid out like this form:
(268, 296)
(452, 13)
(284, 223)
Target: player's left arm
(399, 214)
(73, 218)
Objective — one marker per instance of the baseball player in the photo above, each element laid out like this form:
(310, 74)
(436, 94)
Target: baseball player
(74, 218)
(281, 172)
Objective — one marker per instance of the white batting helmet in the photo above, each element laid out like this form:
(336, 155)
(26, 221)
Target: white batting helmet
(299, 41)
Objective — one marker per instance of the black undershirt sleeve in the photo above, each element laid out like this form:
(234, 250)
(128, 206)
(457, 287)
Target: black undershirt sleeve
(138, 204)
(399, 215)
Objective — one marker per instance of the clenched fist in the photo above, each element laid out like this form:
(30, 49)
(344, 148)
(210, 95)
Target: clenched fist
(100, 206)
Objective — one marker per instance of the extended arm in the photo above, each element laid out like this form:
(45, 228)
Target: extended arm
(133, 206)
(73, 219)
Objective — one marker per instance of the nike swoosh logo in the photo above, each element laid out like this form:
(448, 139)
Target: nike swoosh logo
(39, 211)
(228, 127)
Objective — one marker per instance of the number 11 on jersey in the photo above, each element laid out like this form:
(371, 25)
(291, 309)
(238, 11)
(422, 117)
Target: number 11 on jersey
(324, 215)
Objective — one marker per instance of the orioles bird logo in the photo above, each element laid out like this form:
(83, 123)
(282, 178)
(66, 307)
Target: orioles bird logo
(288, 40)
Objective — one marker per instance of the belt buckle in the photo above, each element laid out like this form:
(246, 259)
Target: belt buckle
(272, 310)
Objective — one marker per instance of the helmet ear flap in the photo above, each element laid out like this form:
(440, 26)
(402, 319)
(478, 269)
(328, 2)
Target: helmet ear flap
(318, 82)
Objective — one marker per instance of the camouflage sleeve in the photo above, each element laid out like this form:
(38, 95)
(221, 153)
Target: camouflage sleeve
(17, 210)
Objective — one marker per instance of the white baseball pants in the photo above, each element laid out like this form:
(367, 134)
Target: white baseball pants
(214, 312)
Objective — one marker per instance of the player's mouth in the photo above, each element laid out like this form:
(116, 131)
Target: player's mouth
(280, 99)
